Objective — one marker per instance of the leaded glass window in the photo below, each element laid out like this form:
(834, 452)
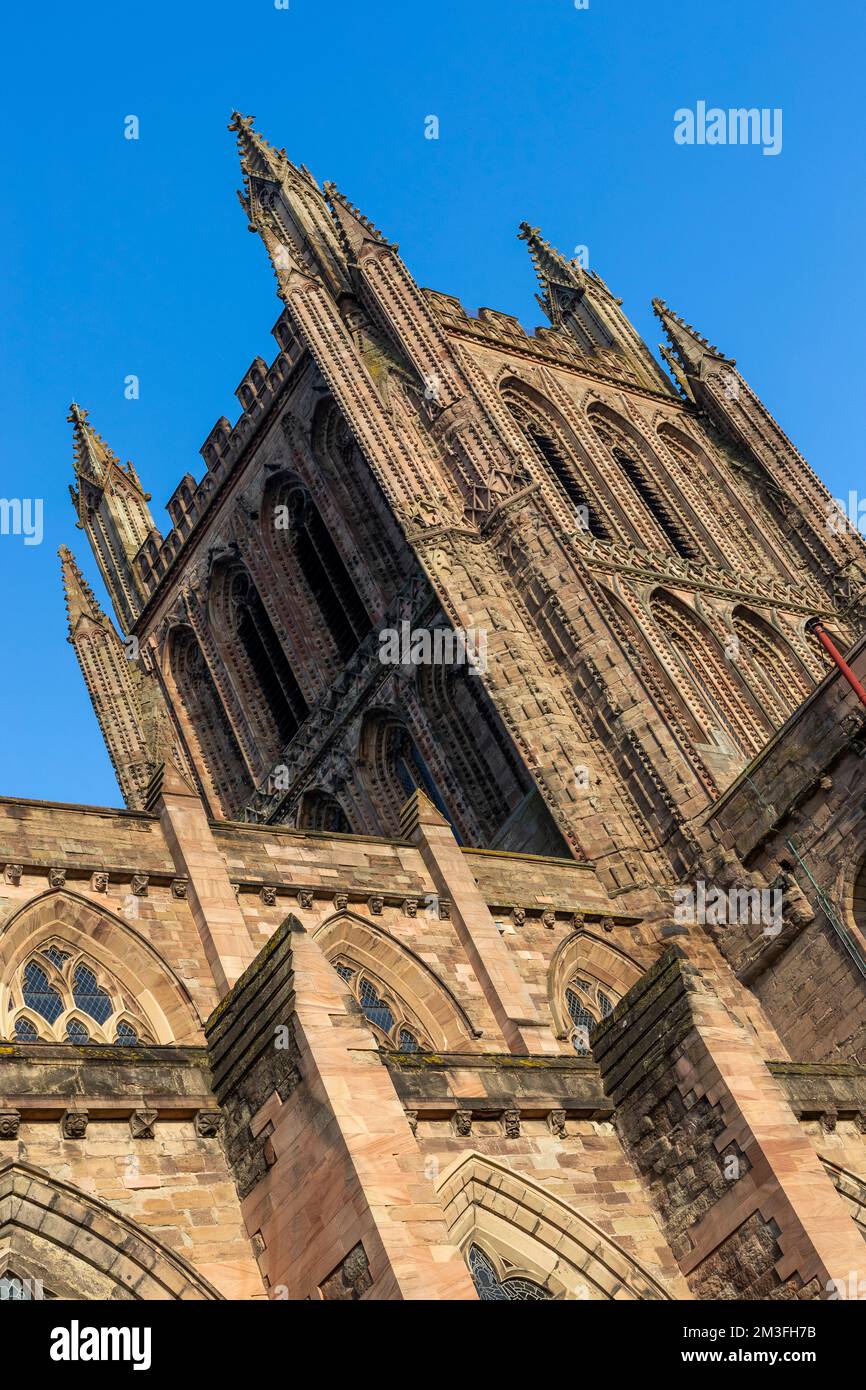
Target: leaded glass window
(391, 1020)
(587, 1004)
(59, 985)
(491, 1289)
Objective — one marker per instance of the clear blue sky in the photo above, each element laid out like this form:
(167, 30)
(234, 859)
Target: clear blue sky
(127, 257)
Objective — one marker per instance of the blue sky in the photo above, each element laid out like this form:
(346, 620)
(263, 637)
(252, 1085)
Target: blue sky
(125, 257)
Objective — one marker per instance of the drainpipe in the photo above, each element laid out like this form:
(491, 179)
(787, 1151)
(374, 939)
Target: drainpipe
(817, 627)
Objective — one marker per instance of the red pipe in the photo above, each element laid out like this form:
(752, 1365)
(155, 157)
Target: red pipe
(837, 658)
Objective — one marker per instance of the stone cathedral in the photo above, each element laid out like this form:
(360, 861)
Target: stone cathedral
(486, 913)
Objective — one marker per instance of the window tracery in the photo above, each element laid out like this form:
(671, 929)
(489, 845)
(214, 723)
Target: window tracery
(391, 1021)
(587, 1004)
(61, 996)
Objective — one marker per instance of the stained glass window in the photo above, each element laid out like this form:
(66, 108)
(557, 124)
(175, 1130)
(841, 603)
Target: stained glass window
(587, 1005)
(389, 1017)
(25, 1031)
(408, 1041)
(56, 956)
(126, 1035)
(76, 1031)
(491, 1289)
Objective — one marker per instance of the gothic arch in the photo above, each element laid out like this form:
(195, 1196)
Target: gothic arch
(543, 1238)
(86, 1250)
(254, 656)
(660, 522)
(587, 955)
(469, 731)
(394, 766)
(443, 1021)
(113, 944)
(557, 453)
(708, 674)
(774, 673)
(206, 720)
(648, 663)
(315, 573)
(319, 810)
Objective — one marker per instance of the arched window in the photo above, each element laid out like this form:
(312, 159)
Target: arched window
(320, 811)
(208, 721)
(587, 1003)
(709, 675)
(638, 475)
(479, 755)
(397, 768)
(773, 673)
(303, 542)
(392, 1023)
(61, 996)
(491, 1289)
(552, 452)
(265, 655)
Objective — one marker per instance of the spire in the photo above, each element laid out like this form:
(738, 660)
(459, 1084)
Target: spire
(353, 228)
(689, 347)
(553, 270)
(111, 507)
(285, 206)
(258, 157)
(93, 458)
(81, 601)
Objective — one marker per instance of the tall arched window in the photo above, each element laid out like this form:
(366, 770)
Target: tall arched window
(255, 654)
(208, 720)
(638, 475)
(304, 543)
(709, 675)
(775, 676)
(397, 768)
(552, 452)
(480, 756)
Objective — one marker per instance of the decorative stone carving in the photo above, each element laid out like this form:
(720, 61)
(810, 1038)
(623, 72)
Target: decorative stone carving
(376, 905)
(828, 1121)
(139, 885)
(511, 1124)
(518, 916)
(99, 883)
(462, 1123)
(305, 899)
(13, 873)
(410, 907)
(577, 921)
(57, 878)
(207, 1123)
(9, 1122)
(341, 901)
(411, 1116)
(141, 1124)
(74, 1124)
(179, 887)
(548, 919)
(556, 1123)
(445, 909)
(268, 896)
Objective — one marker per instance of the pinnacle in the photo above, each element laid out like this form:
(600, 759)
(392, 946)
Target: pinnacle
(92, 455)
(551, 267)
(80, 599)
(257, 155)
(688, 344)
(352, 225)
